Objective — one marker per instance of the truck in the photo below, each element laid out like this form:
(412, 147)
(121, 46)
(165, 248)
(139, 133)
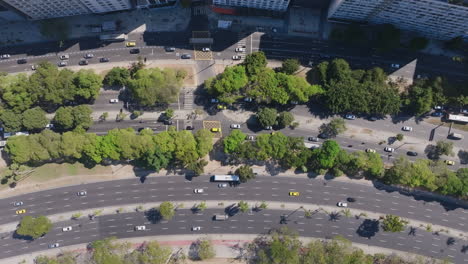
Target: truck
(221, 217)
(226, 178)
(455, 136)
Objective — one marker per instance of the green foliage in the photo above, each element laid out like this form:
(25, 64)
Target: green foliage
(233, 141)
(227, 86)
(204, 250)
(444, 148)
(290, 66)
(169, 113)
(335, 127)
(245, 173)
(243, 206)
(15, 92)
(34, 119)
(117, 76)
(186, 3)
(285, 119)
(87, 85)
(201, 206)
(34, 227)
(254, 62)
(107, 251)
(167, 210)
(11, 121)
(152, 253)
(411, 174)
(151, 86)
(399, 137)
(418, 43)
(424, 94)
(63, 258)
(204, 139)
(393, 223)
(327, 154)
(267, 116)
(78, 117)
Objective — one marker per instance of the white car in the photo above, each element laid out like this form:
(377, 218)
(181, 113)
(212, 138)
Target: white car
(407, 128)
(370, 150)
(89, 56)
(140, 228)
(222, 185)
(19, 203)
(248, 99)
(206, 49)
(33, 67)
(236, 57)
(196, 228)
(5, 56)
(350, 117)
(389, 149)
(438, 107)
(81, 193)
(54, 245)
(64, 57)
(240, 49)
(113, 101)
(268, 128)
(250, 138)
(395, 66)
(198, 190)
(342, 204)
(67, 228)
(62, 64)
(234, 126)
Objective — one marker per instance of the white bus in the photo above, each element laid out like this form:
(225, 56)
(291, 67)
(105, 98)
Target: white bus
(226, 178)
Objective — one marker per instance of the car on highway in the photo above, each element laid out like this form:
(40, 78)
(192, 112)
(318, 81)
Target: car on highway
(215, 129)
(395, 66)
(130, 44)
(236, 57)
(407, 128)
(412, 153)
(67, 228)
(351, 199)
(22, 211)
(104, 60)
(449, 162)
(169, 49)
(89, 56)
(369, 150)
(214, 100)
(113, 101)
(140, 228)
(342, 204)
(54, 245)
(198, 190)
(206, 49)
(268, 128)
(18, 203)
(196, 228)
(82, 193)
(83, 62)
(294, 193)
(134, 51)
(350, 117)
(186, 56)
(5, 56)
(222, 185)
(64, 57)
(235, 126)
(437, 114)
(240, 49)
(22, 61)
(313, 139)
(62, 64)
(389, 149)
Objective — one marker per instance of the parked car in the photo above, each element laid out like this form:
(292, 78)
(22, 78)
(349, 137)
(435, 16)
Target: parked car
(81, 193)
(5, 56)
(104, 60)
(222, 185)
(412, 153)
(189, 128)
(373, 118)
(395, 66)
(268, 128)
(54, 245)
(134, 51)
(198, 190)
(324, 136)
(89, 56)
(438, 107)
(294, 102)
(314, 139)
(186, 56)
(169, 49)
(64, 57)
(215, 129)
(248, 99)
(221, 107)
(62, 64)
(250, 138)
(113, 101)
(235, 126)
(240, 49)
(18, 203)
(449, 162)
(140, 228)
(370, 150)
(83, 62)
(236, 57)
(196, 228)
(389, 149)
(437, 114)
(214, 100)
(350, 117)
(130, 44)
(67, 228)
(22, 61)
(33, 67)
(342, 204)
(168, 122)
(206, 49)
(407, 128)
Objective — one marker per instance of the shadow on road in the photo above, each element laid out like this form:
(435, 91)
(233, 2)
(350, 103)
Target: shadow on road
(369, 228)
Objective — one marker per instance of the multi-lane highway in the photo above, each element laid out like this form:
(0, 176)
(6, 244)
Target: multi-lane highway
(176, 188)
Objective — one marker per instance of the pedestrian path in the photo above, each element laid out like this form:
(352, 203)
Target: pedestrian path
(188, 97)
(242, 43)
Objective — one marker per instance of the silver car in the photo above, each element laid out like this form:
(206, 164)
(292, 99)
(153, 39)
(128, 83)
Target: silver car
(235, 126)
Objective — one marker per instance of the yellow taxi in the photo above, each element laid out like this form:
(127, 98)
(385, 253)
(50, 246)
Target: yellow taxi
(22, 211)
(130, 44)
(221, 107)
(449, 162)
(293, 193)
(215, 129)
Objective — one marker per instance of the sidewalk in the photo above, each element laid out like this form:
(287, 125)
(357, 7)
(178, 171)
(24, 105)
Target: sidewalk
(228, 247)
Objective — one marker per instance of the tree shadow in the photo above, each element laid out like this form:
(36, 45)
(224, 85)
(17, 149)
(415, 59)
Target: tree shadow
(464, 249)
(412, 231)
(253, 124)
(450, 241)
(334, 216)
(369, 228)
(463, 156)
(232, 210)
(431, 152)
(153, 215)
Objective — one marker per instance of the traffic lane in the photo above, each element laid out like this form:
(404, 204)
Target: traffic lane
(319, 225)
(273, 189)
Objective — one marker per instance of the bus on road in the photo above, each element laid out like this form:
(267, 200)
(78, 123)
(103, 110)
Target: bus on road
(226, 178)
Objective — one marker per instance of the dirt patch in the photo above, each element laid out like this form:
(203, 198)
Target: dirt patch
(189, 69)
(367, 131)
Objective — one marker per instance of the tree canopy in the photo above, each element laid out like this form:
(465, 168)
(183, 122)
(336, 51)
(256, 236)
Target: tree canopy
(34, 227)
(267, 116)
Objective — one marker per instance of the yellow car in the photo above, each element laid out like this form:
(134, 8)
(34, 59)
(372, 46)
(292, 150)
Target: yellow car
(293, 193)
(449, 162)
(130, 44)
(216, 129)
(221, 107)
(22, 211)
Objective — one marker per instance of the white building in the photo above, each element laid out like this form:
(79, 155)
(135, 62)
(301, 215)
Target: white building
(431, 18)
(275, 5)
(43, 9)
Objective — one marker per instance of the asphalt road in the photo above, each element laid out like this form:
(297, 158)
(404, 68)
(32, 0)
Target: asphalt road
(177, 188)
(319, 225)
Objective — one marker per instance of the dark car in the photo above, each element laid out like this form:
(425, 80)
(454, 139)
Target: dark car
(373, 118)
(134, 51)
(189, 128)
(169, 49)
(324, 136)
(83, 62)
(437, 114)
(412, 153)
(186, 56)
(22, 61)
(351, 199)
(104, 60)
(168, 122)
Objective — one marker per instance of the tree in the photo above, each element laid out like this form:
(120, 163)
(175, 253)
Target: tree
(117, 76)
(333, 128)
(205, 249)
(87, 85)
(290, 66)
(34, 119)
(393, 223)
(68, 117)
(263, 205)
(169, 113)
(233, 141)
(227, 85)
(254, 62)
(444, 148)
(167, 210)
(34, 227)
(243, 206)
(11, 121)
(399, 137)
(245, 173)
(64, 118)
(107, 251)
(265, 87)
(204, 139)
(267, 116)
(201, 206)
(327, 154)
(153, 253)
(15, 92)
(285, 119)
